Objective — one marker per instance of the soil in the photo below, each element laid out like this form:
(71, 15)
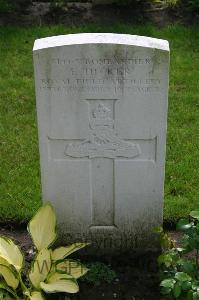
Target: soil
(137, 275)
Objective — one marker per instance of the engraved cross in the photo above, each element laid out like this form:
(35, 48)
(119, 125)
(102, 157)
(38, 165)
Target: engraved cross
(102, 147)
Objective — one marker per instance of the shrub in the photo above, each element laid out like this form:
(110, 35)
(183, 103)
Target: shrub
(179, 266)
(193, 5)
(99, 273)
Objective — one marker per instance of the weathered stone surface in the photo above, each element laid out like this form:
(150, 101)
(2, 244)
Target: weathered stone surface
(102, 111)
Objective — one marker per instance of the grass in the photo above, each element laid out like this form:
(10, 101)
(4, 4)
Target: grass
(20, 189)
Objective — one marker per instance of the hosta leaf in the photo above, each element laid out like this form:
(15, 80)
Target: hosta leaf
(60, 283)
(71, 267)
(36, 296)
(57, 276)
(4, 286)
(181, 276)
(9, 276)
(11, 253)
(195, 214)
(42, 227)
(184, 224)
(168, 283)
(4, 262)
(62, 252)
(40, 268)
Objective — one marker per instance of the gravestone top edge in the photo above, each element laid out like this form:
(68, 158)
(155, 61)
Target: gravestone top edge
(100, 38)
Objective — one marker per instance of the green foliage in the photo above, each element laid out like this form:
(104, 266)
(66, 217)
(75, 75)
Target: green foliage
(193, 5)
(99, 273)
(179, 273)
(50, 272)
(7, 6)
(190, 6)
(165, 241)
(140, 2)
(166, 2)
(5, 292)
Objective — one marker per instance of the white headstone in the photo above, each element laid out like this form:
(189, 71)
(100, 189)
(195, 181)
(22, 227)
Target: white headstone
(102, 112)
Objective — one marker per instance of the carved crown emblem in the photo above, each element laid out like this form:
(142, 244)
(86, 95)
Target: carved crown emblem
(101, 116)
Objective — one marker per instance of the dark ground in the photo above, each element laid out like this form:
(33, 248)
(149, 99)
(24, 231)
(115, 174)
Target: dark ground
(137, 276)
(75, 13)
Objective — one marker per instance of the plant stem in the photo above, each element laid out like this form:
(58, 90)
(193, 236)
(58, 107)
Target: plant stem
(24, 288)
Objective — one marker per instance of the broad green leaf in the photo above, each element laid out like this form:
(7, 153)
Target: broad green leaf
(188, 267)
(195, 296)
(57, 276)
(177, 290)
(40, 268)
(184, 224)
(195, 285)
(10, 252)
(60, 283)
(9, 276)
(187, 243)
(4, 286)
(165, 290)
(168, 283)
(42, 227)
(195, 214)
(181, 276)
(4, 262)
(180, 250)
(165, 259)
(186, 285)
(62, 252)
(71, 267)
(36, 296)
(189, 295)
